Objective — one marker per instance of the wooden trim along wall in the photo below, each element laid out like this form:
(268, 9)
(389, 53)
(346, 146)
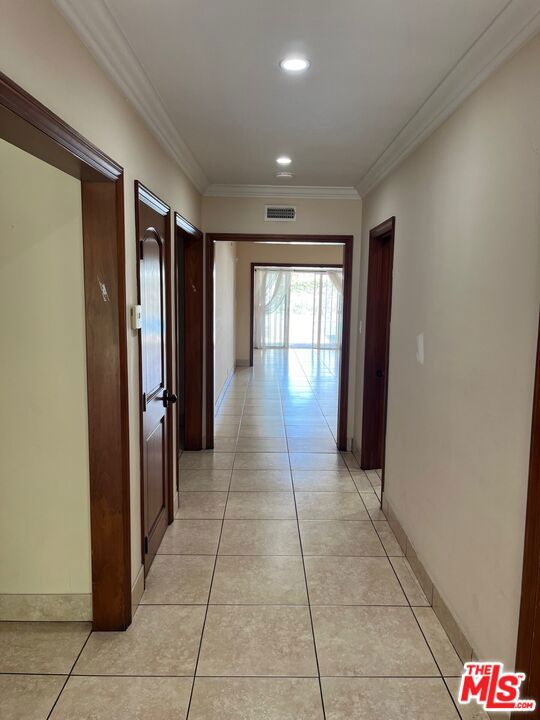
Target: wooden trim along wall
(255, 265)
(347, 242)
(528, 649)
(189, 253)
(382, 233)
(28, 124)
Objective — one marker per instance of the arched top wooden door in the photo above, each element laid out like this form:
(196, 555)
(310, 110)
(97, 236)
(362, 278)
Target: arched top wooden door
(153, 234)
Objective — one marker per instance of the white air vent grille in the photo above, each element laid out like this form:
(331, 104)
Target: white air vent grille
(280, 213)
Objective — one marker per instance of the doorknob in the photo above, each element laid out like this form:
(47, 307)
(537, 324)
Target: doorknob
(380, 373)
(168, 398)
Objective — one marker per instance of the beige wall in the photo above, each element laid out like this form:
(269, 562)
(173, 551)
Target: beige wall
(44, 478)
(225, 314)
(248, 253)
(467, 275)
(40, 52)
(319, 217)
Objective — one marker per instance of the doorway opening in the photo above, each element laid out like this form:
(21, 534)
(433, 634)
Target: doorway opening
(377, 346)
(305, 303)
(32, 127)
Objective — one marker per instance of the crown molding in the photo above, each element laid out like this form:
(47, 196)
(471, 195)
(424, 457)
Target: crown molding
(512, 27)
(314, 192)
(99, 31)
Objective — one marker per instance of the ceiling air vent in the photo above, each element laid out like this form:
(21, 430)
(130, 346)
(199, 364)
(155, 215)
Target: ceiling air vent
(280, 213)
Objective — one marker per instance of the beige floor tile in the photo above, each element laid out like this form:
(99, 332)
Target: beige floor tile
(262, 444)
(323, 481)
(250, 640)
(256, 699)
(259, 537)
(46, 648)
(360, 480)
(441, 647)
(352, 581)
(388, 538)
(471, 711)
(179, 580)
(370, 500)
(265, 480)
(260, 505)
(28, 697)
(191, 537)
(340, 537)
(206, 459)
(387, 699)
(350, 461)
(259, 580)
(224, 444)
(330, 506)
(316, 461)
(262, 421)
(226, 430)
(261, 461)
(299, 430)
(196, 480)
(201, 505)
(411, 586)
(371, 641)
(124, 698)
(161, 640)
(312, 445)
(262, 431)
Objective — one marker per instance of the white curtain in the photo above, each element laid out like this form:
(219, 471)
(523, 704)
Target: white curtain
(298, 307)
(272, 289)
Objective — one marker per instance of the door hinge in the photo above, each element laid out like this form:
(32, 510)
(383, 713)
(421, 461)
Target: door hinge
(144, 402)
(146, 545)
(141, 249)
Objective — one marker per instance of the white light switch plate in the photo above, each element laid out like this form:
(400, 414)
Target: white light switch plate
(420, 348)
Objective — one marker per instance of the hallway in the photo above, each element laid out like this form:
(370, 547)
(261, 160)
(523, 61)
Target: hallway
(279, 586)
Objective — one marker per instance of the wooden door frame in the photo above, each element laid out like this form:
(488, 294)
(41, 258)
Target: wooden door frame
(376, 234)
(190, 240)
(528, 647)
(347, 242)
(144, 195)
(31, 126)
(255, 265)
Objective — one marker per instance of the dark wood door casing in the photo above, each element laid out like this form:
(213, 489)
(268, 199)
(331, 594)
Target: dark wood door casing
(155, 360)
(347, 242)
(377, 344)
(528, 648)
(28, 124)
(189, 242)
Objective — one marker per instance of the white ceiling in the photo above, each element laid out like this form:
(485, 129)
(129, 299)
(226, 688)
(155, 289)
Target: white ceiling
(375, 63)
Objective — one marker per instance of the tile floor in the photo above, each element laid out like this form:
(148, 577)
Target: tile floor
(279, 592)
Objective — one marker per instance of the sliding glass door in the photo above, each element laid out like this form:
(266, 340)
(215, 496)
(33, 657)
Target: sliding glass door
(298, 307)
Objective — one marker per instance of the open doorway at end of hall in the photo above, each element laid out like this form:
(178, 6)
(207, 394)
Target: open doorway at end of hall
(296, 312)
(288, 310)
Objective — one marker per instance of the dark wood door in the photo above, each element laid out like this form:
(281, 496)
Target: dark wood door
(156, 396)
(379, 299)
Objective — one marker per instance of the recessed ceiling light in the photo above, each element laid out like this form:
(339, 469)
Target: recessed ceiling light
(296, 64)
(284, 175)
(283, 160)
